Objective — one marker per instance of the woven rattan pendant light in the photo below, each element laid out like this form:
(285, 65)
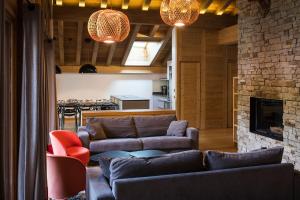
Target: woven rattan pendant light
(108, 26)
(179, 12)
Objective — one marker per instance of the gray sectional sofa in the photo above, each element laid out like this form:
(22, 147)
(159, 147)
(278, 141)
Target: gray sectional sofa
(138, 179)
(137, 133)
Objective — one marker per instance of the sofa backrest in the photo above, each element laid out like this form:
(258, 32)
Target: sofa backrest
(119, 127)
(136, 126)
(267, 182)
(147, 126)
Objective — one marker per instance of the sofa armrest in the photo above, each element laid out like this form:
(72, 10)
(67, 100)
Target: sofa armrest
(193, 133)
(97, 187)
(296, 185)
(84, 137)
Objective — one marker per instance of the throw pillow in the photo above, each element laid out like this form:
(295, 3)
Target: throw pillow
(183, 162)
(222, 160)
(95, 129)
(177, 128)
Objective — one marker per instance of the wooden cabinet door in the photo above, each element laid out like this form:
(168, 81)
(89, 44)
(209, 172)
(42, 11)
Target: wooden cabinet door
(188, 87)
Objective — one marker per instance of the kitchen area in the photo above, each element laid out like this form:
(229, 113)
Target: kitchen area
(77, 93)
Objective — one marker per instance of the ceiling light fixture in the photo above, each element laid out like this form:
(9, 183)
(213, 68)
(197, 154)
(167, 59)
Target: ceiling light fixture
(108, 26)
(59, 2)
(81, 3)
(179, 12)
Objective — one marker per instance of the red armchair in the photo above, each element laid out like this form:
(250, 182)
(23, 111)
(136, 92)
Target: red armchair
(67, 143)
(66, 176)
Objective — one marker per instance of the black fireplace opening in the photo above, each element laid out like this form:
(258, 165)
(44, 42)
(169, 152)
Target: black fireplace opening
(266, 117)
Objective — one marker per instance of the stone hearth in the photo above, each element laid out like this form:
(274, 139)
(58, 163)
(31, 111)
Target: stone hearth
(269, 67)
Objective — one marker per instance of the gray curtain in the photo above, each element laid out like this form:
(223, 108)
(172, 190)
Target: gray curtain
(2, 125)
(33, 112)
(50, 66)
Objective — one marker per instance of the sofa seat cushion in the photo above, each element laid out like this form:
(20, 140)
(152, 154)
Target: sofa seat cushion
(166, 142)
(125, 144)
(81, 153)
(148, 126)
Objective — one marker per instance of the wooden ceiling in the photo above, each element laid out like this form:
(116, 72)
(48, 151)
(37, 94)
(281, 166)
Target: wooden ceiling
(73, 46)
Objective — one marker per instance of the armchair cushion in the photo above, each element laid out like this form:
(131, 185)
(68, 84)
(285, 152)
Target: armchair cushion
(177, 128)
(80, 153)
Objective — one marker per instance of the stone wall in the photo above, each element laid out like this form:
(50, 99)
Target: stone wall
(269, 67)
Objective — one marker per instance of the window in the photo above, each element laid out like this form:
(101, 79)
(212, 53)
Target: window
(142, 53)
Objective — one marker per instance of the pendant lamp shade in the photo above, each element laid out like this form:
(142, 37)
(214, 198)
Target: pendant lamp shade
(108, 26)
(179, 12)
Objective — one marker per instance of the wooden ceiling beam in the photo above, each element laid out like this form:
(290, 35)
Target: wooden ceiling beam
(118, 69)
(111, 53)
(149, 39)
(146, 5)
(204, 7)
(125, 4)
(130, 43)
(151, 17)
(95, 53)
(61, 42)
(165, 42)
(221, 10)
(154, 30)
(79, 42)
(166, 59)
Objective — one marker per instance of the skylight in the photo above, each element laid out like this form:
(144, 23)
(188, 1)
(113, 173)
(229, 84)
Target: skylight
(142, 53)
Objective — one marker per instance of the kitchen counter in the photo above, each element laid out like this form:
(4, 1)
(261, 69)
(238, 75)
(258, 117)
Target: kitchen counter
(127, 102)
(128, 98)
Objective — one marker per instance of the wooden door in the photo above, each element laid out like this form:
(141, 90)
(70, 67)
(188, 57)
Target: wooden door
(189, 92)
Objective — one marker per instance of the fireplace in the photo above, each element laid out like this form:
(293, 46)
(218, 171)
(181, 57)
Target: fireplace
(266, 117)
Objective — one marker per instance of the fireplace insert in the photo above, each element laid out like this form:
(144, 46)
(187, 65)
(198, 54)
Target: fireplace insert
(266, 117)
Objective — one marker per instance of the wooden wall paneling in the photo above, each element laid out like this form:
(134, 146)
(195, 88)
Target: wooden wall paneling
(190, 92)
(79, 42)
(216, 82)
(228, 35)
(202, 81)
(61, 42)
(188, 76)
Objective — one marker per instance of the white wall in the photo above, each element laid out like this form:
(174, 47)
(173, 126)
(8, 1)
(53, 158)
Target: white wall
(102, 86)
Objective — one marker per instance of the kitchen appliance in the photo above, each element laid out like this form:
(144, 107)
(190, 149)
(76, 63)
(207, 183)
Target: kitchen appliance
(164, 90)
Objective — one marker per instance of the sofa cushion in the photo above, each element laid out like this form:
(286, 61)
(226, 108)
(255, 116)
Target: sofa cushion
(147, 126)
(95, 129)
(119, 127)
(125, 144)
(183, 162)
(166, 142)
(106, 157)
(221, 160)
(177, 128)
